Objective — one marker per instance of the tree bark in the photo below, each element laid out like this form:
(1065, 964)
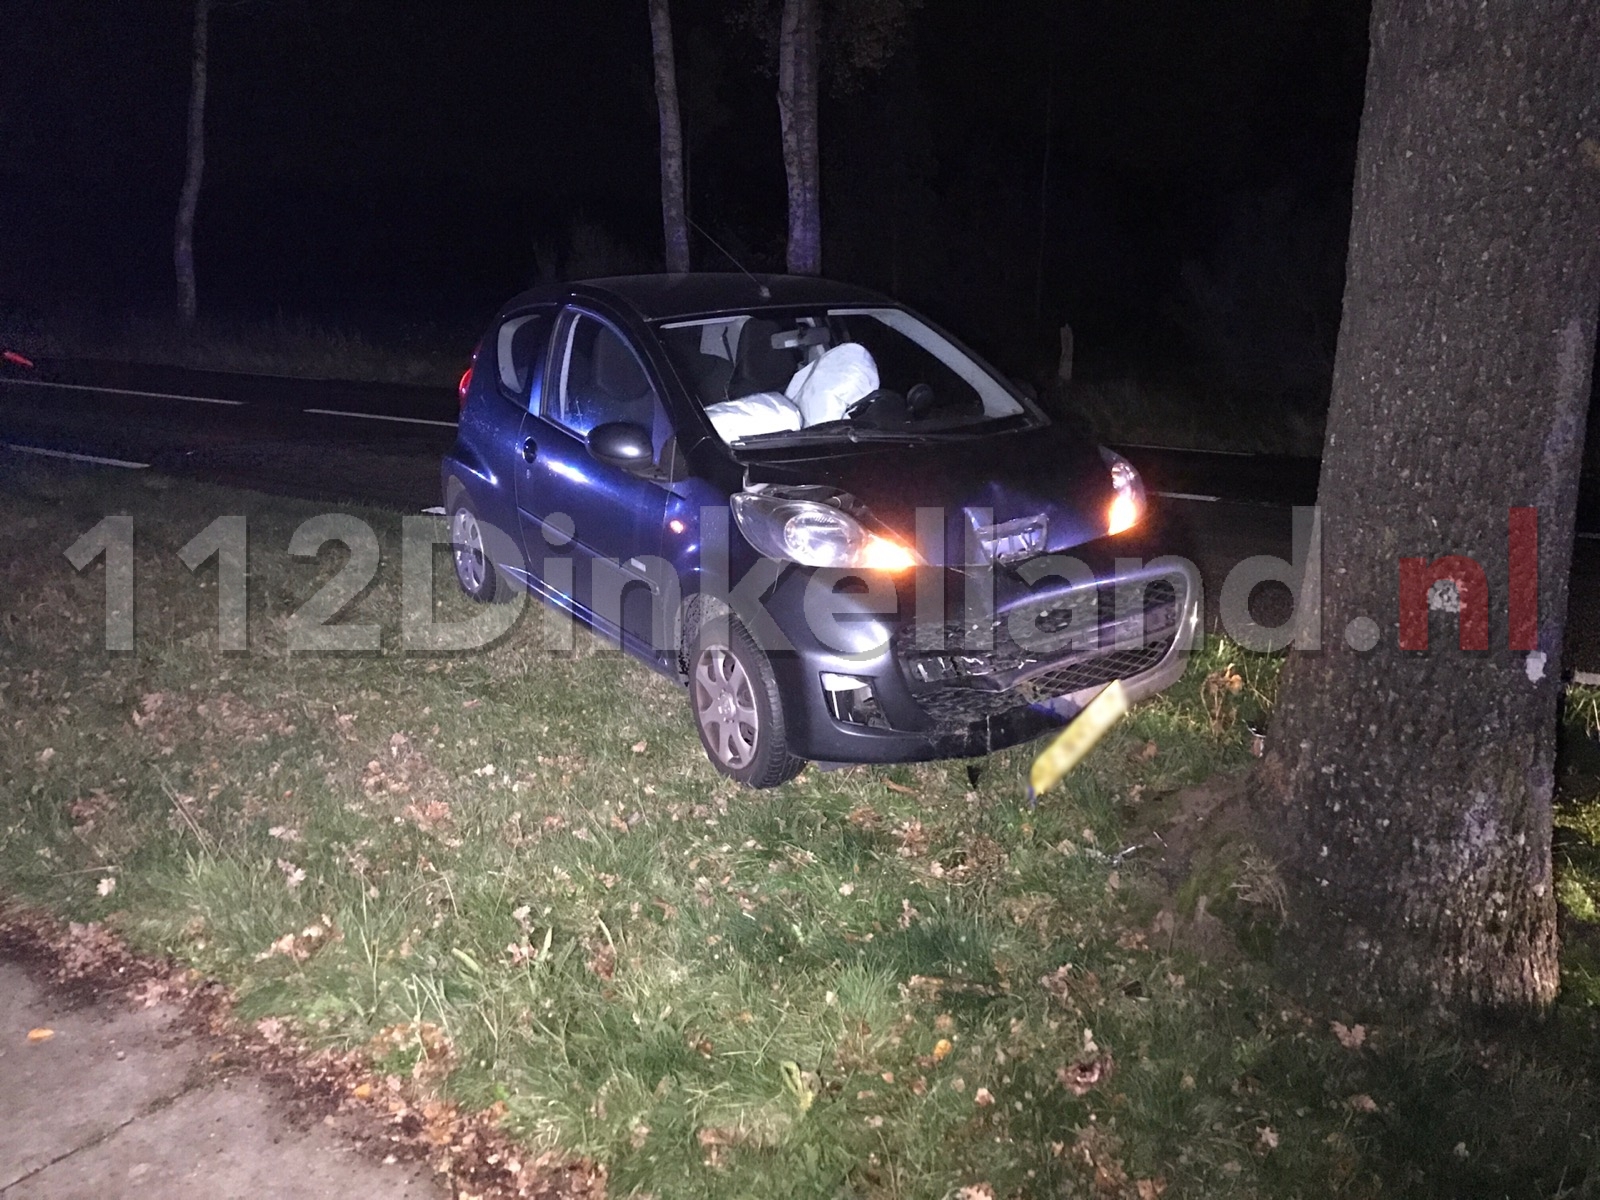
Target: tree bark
(674, 218)
(1413, 788)
(189, 197)
(798, 38)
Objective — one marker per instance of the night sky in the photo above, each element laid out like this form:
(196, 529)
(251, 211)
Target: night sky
(370, 159)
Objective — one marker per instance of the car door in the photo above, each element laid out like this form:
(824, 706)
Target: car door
(592, 532)
(509, 363)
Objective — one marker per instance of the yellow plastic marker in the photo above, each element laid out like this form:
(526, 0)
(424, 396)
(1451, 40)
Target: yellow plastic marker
(1076, 740)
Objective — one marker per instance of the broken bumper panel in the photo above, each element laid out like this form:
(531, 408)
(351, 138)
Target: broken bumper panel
(958, 691)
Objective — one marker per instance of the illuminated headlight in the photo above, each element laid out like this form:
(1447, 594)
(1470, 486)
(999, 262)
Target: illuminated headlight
(1127, 499)
(815, 534)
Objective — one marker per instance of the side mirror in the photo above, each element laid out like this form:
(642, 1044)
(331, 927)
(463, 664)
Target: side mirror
(622, 444)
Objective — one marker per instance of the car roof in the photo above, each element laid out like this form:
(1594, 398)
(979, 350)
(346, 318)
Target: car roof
(661, 297)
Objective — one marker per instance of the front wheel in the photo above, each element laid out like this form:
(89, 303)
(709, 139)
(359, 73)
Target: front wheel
(737, 708)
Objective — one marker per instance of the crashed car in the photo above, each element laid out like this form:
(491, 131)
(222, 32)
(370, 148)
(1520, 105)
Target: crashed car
(843, 534)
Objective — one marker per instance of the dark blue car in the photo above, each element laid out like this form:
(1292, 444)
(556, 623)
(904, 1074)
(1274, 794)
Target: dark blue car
(847, 537)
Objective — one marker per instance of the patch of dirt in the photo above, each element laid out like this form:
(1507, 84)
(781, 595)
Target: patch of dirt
(1212, 877)
(385, 1115)
(81, 964)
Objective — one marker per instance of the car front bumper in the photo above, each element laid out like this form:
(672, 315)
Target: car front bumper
(994, 677)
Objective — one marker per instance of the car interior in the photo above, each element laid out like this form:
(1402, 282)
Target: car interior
(756, 375)
(603, 381)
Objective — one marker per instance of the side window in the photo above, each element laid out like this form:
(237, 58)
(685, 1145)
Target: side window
(600, 379)
(519, 349)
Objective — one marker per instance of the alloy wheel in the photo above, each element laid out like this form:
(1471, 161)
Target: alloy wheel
(725, 705)
(472, 564)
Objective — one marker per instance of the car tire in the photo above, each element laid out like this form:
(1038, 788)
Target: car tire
(737, 710)
(475, 569)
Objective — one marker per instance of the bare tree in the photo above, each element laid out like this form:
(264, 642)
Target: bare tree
(849, 39)
(798, 35)
(189, 197)
(674, 218)
(1413, 788)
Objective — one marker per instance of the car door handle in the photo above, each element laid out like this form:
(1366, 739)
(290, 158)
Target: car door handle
(530, 450)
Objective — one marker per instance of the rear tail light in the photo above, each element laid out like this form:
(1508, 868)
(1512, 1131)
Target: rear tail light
(465, 385)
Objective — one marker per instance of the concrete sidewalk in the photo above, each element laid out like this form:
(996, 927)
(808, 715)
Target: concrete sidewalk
(118, 1103)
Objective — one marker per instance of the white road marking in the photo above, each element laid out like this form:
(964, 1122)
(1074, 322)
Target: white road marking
(88, 458)
(1179, 450)
(1188, 496)
(339, 412)
(110, 391)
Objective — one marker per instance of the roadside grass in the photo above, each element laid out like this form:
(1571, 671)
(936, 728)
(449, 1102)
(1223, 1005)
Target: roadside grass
(1577, 843)
(283, 345)
(511, 875)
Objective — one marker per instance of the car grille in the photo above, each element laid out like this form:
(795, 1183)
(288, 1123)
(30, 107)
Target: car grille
(957, 683)
(1119, 664)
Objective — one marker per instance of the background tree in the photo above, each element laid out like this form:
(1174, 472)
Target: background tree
(1414, 789)
(674, 217)
(194, 166)
(850, 39)
(798, 36)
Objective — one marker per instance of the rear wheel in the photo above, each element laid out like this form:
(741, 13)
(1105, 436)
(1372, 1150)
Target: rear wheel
(737, 708)
(475, 569)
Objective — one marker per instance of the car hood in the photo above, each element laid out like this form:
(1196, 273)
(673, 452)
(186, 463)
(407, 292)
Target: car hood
(1053, 472)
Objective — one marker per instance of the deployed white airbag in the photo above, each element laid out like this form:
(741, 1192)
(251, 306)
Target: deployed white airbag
(760, 412)
(825, 389)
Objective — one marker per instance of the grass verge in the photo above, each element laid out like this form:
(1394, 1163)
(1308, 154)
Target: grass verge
(413, 354)
(511, 876)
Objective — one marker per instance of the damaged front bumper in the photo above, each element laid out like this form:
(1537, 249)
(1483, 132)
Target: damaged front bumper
(998, 676)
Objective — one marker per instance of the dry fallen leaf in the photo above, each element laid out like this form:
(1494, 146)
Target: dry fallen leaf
(941, 1049)
(640, 747)
(106, 886)
(1362, 1102)
(41, 1035)
(1350, 1036)
(983, 1097)
(1081, 1077)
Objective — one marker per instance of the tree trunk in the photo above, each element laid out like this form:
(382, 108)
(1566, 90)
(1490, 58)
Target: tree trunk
(674, 219)
(797, 111)
(1412, 788)
(189, 198)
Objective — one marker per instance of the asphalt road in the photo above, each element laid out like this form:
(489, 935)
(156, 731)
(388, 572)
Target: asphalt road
(380, 444)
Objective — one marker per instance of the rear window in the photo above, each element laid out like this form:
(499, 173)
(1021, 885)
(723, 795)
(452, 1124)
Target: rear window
(519, 345)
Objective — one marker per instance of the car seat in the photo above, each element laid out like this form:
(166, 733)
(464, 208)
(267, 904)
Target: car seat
(623, 389)
(759, 366)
